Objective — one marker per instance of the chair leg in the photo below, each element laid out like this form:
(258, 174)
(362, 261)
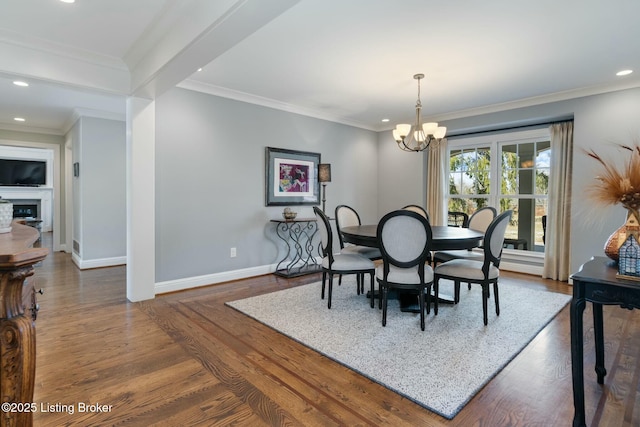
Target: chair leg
(358, 280)
(384, 306)
(427, 298)
(495, 295)
(324, 279)
(371, 294)
(436, 295)
(456, 291)
(421, 303)
(485, 297)
(330, 290)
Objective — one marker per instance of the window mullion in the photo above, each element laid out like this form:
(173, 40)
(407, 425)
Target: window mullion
(494, 194)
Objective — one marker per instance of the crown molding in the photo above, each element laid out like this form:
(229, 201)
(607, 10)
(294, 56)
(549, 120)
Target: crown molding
(78, 113)
(538, 100)
(31, 129)
(46, 46)
(270, 103)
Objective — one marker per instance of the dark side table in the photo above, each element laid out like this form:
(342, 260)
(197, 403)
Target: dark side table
(597, 283)
(297, 234)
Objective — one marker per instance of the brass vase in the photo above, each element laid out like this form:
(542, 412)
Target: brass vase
(617, 238)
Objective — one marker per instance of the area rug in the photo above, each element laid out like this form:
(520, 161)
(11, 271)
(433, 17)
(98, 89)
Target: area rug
(440, 368)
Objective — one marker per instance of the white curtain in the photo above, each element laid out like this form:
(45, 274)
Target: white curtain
(437, 169)
(557, 254)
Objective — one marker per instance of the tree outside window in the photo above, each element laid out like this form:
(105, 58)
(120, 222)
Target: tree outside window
(518, 180)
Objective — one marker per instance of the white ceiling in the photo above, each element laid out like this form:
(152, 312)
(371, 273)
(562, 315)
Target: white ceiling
(347, 61)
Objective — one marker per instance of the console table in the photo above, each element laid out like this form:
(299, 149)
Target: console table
(297, 234)
(17, 329)
(596, 282)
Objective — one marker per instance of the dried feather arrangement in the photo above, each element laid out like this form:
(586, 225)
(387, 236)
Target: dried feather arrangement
(619, 183)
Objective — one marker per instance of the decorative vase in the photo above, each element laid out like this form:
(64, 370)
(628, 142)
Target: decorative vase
(6, 216)
(618, 237)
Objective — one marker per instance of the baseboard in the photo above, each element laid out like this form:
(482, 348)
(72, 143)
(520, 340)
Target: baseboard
(211, 279)
(535, 270)
(97, 263)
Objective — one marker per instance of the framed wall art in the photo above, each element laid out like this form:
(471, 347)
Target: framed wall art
(291, 177)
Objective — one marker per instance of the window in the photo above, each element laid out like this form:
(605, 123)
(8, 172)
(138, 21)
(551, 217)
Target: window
(507, 171)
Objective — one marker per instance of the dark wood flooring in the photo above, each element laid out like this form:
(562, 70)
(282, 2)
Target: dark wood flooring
(187, 359)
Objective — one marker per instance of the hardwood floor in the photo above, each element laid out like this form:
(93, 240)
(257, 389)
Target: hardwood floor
(187, 359)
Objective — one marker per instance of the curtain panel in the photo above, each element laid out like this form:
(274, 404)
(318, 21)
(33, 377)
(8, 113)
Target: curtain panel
(557, 251)
(437, 169)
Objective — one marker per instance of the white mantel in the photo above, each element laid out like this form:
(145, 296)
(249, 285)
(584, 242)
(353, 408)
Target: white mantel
(42, 194)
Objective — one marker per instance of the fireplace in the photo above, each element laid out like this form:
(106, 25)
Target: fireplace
(36, 202)
(25, 210)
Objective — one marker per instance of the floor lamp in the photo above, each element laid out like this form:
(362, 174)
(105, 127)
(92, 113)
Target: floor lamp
(324, 176)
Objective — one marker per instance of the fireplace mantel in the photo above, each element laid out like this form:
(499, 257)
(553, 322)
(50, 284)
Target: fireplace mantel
(44, 195)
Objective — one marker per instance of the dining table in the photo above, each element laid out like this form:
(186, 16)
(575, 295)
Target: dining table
(444, 238)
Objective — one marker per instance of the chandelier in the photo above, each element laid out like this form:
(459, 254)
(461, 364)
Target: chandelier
(423, 135)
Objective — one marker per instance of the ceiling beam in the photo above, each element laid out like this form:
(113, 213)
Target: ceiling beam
(196, 39)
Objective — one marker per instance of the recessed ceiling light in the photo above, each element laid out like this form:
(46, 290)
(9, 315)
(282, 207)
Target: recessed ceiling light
(199, 69)
(385, 120)
(20, 83)
(19, 119)
(68, 1)
(624, 72)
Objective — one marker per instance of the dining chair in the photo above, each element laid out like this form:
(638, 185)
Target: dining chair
(340, 263)
(479, 221)
(346, 216)
(483, 272)
(418, 209)
(404, 238)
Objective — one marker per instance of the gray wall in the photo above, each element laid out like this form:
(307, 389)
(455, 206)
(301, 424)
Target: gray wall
(599, 120)
(401, 176)
(210, 178)
(100, 190)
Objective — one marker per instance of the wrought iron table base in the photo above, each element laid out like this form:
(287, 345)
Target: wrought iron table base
(298, 237)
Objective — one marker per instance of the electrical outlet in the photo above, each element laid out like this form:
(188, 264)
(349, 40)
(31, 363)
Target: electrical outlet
(233, 253)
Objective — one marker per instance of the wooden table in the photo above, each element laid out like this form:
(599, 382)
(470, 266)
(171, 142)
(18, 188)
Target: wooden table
(17, 330)
(443, 237)
(596, 282)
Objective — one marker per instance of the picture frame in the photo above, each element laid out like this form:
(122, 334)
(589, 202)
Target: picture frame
(291, 177)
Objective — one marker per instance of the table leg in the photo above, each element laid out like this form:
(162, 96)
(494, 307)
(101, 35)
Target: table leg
(17, 349)
(577, 362)
(299, 257)
(598, 331)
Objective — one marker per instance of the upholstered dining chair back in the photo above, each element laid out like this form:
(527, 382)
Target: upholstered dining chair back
(494, 239)
(324, 228)
(326, 236)
(346, 216)
(418, 209)
(404, 237)
(482, 218)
